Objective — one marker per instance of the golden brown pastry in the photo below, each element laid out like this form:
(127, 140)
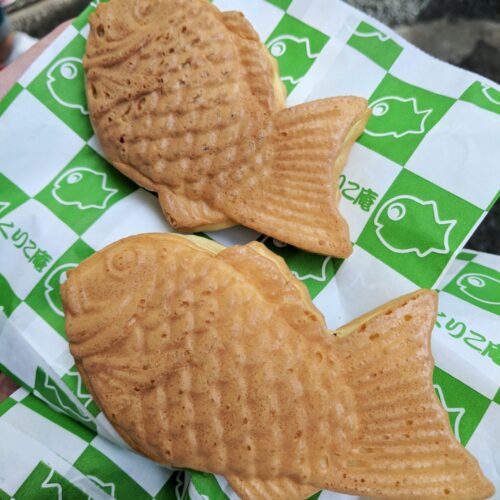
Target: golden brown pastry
(187, 102)
(215, 359)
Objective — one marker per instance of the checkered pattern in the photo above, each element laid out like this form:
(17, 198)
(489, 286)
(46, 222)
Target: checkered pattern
(417, 183)
(81, 462)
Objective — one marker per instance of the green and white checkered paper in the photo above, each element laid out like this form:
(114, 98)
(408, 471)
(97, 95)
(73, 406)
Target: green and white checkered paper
(417, 184)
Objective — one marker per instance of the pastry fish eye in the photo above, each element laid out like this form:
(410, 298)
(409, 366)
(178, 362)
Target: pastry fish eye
(277, 48)
(396, 211)
(120, 262)
(69, 70)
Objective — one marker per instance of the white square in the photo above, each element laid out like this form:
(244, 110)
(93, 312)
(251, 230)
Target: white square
(236, 235)
(63, 362)
(143, 471)
(262, 15)
(327, 16)
(36, 144)
(460, 154)
(66, 444)
(361, 284)
(41, 336)
(488, 260)
(46, 57)
(438, 76)
(19, 455)
(378, 178)
(45, 230)
(85, 31)
(19, 395)
(484, 444)
(350, 73)
(17, 355)
(139, 212)
(94, 143)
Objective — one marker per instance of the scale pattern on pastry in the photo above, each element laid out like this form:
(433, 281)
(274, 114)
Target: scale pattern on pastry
(187, 102)
(216, 359)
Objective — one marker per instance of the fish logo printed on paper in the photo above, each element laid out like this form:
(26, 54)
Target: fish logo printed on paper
(64, 81)
(315, 267)
(52, 286)
(480, 287)
(371, 32)
(293, 49)
(491, 94)
(397, 117)
(455, 414)
(84, 188)
(402, 216)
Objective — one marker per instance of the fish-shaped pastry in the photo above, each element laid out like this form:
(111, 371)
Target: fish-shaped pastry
(187, 102)
(215, 359)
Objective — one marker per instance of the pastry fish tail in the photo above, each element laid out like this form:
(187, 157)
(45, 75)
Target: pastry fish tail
(296, 198)
(404, 445)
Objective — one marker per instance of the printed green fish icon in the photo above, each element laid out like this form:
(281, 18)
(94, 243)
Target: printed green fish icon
(491, 94)
(52, 285)
(406, 224)
(290, 51)
(397, 117)
(83, 187)
(480, 287)
(65, 82)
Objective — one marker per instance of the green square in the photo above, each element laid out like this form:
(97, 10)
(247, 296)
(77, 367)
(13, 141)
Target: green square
(176, 487)
(47, 388)
(10, 196)
(464, 405)
(282, 4)
(75, 384)
(108, 476)
(466, 256)
(314, 270)
(84, 190)
(402, 115)
(6, 405)
(484, 96)
(4, 496)
(45, 298)
(83, 18)
(417, 227)
(478, 285)
(295, 45)
(496, 399)
(375, 45)
(45, 483)
(61, 87)
(60, 419)
(207, 486)
(9, 98)
(8, 299)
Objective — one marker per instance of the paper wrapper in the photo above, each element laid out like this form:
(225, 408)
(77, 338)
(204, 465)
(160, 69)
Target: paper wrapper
(417, 183)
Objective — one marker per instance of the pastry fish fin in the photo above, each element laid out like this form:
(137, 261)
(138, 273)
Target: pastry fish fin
(296, 196)
(277, 489)
(186, 214)
(404, 446)
(272, 278)
(260, 68)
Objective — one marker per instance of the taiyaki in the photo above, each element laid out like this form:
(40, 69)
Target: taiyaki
(187, 102)
(215, 359)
